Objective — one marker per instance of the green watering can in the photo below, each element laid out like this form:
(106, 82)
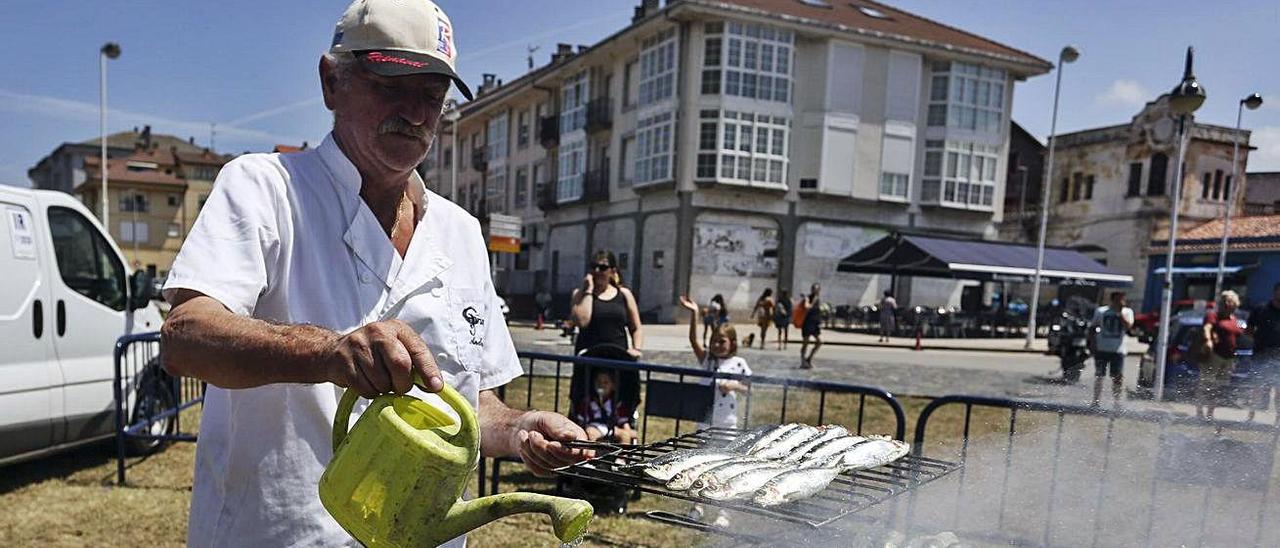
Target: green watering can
(397, 478)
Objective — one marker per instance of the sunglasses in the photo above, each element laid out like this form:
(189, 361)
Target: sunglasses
(602, 267)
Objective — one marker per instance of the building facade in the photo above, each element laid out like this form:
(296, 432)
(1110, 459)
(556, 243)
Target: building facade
(63, 169)
(1252, 266)
(1262, 196)
(736, 145)
(154, 196)
(1112, 187)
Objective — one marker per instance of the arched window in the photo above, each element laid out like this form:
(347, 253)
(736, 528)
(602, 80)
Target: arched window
(1159, 174)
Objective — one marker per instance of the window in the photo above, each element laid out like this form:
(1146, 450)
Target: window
(629, 79)
(1226, 189)
(1088, 187)
(175, 200)
(539, 179)
(175, 230)
(751, 61)
(573, 103)
(573, 162)
(522, 187)
(657, 68)
(522, 131)
(1064, 193)
(86, 263)
(966, 96)
(742, 147)
(895, 167)
(1158, 174)
(1077, 186)
(659, 257)
(1217, 187)
(134, 231)
(1206, 185)
(496, 136)
(1135, 179)
(134, 201)
(654, 148)
(628, 167)
(962, 174)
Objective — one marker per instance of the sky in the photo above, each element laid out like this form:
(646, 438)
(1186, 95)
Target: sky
(247, 69)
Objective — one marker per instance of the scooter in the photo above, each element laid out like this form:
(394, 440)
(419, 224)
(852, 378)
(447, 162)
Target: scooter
(1073, 347)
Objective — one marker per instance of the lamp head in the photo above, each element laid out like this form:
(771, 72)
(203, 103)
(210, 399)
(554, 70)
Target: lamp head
(1188, 95)
(1069, 54)
(111, 50)
(1252, 102)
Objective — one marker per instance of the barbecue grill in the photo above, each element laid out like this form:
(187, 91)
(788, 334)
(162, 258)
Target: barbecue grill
(850, 493)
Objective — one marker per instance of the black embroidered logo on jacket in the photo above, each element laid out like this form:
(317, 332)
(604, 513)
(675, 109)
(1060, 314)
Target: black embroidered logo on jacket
(474, 319)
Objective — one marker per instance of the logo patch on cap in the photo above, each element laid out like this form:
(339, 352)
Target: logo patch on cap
(379, 57)
(444, 38)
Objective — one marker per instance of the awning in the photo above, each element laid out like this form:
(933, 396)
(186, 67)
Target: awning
(1201, 271)
(936, 257)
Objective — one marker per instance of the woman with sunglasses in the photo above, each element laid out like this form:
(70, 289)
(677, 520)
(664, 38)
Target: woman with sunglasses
(604, 310)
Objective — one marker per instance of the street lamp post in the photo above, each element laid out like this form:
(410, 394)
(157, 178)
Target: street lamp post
(1185, 98)
(1253, 102)
(110, 50)
(1067, 55)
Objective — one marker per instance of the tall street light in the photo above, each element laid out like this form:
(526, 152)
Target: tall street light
(1069, 54)
(1185, 98)
(110, 50)
(1253, 102)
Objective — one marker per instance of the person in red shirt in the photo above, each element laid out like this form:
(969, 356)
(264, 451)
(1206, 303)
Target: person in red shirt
(1221, 329)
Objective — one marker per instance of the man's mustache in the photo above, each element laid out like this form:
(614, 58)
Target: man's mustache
(403, 127)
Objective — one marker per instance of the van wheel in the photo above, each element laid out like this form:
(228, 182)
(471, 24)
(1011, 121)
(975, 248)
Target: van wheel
(154, 397)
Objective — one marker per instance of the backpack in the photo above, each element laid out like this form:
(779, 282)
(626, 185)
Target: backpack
(797, 318)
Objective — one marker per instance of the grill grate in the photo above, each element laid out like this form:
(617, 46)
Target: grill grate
(849, 493)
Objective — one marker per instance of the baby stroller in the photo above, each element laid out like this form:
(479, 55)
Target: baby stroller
(626, 398)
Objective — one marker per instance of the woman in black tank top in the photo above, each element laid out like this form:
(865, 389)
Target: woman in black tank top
(606, 312)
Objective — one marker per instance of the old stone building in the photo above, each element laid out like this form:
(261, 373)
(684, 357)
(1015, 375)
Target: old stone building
(1110, 196)
(735, 145)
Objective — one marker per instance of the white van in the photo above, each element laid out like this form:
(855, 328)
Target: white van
(65, 297)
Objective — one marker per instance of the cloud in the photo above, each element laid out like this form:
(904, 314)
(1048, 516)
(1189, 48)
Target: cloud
(1125, 93)
(80, 111)
(274, 111)
(1267, 155)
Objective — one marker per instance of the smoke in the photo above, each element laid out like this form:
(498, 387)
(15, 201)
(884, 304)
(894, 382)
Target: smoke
(1074, 481)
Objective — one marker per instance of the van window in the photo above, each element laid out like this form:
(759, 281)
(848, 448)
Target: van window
(86, 262)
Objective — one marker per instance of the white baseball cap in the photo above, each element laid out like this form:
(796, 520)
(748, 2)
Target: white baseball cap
(399, 37)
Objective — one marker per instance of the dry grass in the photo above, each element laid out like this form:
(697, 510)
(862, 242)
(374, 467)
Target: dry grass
(72, 500)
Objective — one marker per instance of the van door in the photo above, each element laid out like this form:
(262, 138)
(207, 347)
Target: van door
(89, 302)
(30, 383)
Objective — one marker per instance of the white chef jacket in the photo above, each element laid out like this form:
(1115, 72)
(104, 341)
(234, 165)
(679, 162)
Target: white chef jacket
(287, 238)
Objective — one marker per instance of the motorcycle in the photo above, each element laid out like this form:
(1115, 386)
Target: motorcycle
(1073, 346)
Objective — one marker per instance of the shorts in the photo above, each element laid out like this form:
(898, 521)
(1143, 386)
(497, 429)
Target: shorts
(1216, 370)
(1114, 360)
(811, 329)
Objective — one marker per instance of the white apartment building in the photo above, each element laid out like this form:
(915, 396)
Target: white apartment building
(727, 146)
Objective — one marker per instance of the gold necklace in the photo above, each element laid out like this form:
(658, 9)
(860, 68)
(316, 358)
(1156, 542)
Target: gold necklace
(399, 209)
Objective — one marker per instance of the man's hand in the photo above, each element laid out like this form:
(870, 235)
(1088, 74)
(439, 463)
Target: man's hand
(381, 358)
(537, 438)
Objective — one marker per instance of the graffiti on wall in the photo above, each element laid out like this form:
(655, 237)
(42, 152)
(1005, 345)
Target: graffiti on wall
(735, 250)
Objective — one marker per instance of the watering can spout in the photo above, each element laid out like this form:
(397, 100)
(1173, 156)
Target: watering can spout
(569, 517)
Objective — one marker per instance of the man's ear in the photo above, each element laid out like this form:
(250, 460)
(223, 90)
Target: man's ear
(328, 81)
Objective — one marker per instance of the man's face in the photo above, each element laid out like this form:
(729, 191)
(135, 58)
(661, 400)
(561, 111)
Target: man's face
(1117, 300)
(386, 123)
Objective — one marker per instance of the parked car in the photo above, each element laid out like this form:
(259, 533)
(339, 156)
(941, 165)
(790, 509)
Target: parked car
(1182, 373)
(67, 296)
(1146, 324)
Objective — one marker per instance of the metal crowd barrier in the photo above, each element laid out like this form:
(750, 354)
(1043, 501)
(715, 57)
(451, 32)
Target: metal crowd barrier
(150, 400)
(795, 399)
(1072, 475)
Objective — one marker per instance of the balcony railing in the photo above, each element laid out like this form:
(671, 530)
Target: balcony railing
(549, 131)
(599, 114)
(595, 186)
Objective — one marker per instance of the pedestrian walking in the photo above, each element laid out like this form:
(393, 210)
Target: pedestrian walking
(782, 318)
(299, 279)
(1107, 331)
(763, 313)
(1264, 327)
(713, 316)
(720, 357)
(811, 327)
(888, 316)
(1221, 330)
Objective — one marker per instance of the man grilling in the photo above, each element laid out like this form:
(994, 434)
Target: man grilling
(336, 268)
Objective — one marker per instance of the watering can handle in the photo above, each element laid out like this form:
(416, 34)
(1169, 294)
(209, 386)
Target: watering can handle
(469, 428)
